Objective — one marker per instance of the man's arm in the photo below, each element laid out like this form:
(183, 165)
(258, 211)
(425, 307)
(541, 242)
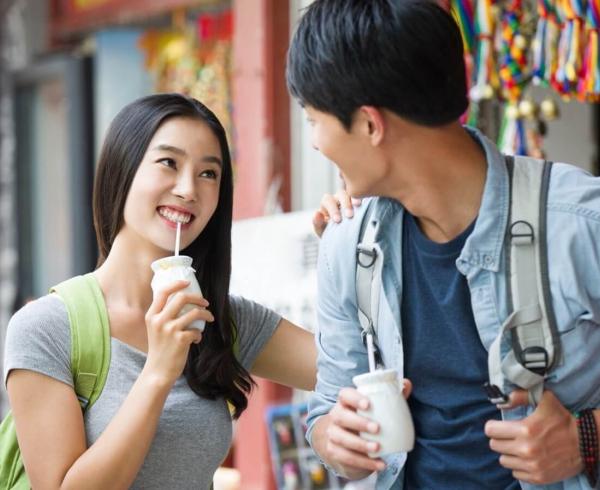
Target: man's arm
(333, 423)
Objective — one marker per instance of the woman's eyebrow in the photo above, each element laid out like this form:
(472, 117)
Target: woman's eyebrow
(212, 159)
(180, 151)
(172, 149)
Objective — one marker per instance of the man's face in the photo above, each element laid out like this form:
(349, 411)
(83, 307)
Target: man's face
(352, 151)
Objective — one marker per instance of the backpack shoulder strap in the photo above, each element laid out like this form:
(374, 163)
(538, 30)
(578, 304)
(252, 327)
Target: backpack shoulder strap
(369, 261)
(534, 340)
(90, 335)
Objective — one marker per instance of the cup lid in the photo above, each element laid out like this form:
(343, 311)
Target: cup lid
(171, 261)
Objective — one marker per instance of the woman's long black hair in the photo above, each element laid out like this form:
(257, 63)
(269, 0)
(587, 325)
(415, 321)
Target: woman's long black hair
(212, 369)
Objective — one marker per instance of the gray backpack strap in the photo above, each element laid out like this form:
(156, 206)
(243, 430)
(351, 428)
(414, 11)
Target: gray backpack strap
(369, 261)
(534, 342)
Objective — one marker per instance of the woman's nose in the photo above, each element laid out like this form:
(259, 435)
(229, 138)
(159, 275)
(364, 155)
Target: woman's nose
(185, 188)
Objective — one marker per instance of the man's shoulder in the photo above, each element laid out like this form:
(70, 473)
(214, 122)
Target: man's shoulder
(337, 250)
(573, 190)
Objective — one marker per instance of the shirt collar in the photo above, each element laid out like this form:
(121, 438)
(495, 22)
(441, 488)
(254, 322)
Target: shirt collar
(483, 247)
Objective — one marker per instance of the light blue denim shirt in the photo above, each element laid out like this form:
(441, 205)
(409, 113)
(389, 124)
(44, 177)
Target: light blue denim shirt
(573, 232)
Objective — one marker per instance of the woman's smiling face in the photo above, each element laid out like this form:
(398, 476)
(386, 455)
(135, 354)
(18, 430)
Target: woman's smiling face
(178, 180)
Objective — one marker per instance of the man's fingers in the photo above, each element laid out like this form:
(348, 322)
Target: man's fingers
(516, 399)
(504, 429)
(406, 387)
(353, 459)
(514, 463)
(504, 446)
(350, 420)
(350, 440)
(351, 397)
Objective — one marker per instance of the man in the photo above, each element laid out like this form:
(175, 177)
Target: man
(383, 86)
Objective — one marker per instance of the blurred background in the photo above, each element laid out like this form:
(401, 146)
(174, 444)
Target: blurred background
(68, 66)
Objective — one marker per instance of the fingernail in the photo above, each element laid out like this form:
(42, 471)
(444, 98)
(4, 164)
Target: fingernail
(363, 404)
(372, 427)
(380, 466)
(337, 217)
(349, 213)
(372, 447)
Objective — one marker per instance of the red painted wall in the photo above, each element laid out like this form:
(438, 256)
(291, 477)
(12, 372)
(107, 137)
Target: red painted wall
(262, 155)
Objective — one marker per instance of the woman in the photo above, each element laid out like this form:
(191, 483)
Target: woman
(162, 419)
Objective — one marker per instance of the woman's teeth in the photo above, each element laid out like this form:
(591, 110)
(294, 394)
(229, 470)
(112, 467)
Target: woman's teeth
(175, 216)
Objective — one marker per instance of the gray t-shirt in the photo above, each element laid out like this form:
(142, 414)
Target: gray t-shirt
(193, 434)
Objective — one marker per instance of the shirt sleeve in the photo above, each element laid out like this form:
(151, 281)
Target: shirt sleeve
(255, 326)
(340, 352)
(38, 338)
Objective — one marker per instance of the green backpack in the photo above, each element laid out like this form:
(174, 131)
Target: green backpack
(90, 359)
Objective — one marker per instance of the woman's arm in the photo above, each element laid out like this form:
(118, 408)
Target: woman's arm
(289, 357)
(52, 439)
(49, 421)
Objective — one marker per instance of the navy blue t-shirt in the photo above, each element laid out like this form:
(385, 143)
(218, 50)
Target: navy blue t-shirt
(447, 364)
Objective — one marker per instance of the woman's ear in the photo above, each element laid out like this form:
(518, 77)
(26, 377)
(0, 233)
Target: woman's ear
(373, 122)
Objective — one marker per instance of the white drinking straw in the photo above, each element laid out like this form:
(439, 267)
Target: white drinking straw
(371, 352)
(177, 238)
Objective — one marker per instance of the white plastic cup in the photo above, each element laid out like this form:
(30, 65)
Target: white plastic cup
(388, 408)
(177, 268)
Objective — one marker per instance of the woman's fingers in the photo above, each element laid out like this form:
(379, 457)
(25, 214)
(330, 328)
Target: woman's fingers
(319, 223)
(178, 301)
(330, 208)
(344, 202)
(162, 296)
(184, 321)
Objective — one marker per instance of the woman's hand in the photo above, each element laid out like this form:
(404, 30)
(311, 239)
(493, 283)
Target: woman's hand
(331, 209)
(169, 339)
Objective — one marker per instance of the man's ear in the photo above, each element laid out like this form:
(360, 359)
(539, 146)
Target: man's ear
(373, 123)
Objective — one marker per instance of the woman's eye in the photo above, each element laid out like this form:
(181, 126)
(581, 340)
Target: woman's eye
(167, 162)
(211, 174)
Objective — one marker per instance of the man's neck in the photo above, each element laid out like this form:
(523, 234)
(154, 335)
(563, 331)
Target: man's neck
(440, 180)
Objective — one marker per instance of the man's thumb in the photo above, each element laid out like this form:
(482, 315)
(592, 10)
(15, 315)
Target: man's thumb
(517, 398)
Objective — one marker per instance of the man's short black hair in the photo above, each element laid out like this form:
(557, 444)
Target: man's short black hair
(402, 55)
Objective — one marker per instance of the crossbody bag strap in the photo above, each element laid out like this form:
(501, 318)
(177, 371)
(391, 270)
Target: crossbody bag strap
(369, 261)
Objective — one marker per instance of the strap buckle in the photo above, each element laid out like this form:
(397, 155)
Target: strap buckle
(521, 233)
(535, 359)
(495, 394)
(369, 252)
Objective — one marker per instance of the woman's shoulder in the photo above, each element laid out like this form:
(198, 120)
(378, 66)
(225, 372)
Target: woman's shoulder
(38, 338)
(47, 309)
(38, 321)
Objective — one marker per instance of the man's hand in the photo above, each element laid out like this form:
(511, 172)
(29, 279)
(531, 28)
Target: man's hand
(331, 209)
(336, 436)
(542, 448)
